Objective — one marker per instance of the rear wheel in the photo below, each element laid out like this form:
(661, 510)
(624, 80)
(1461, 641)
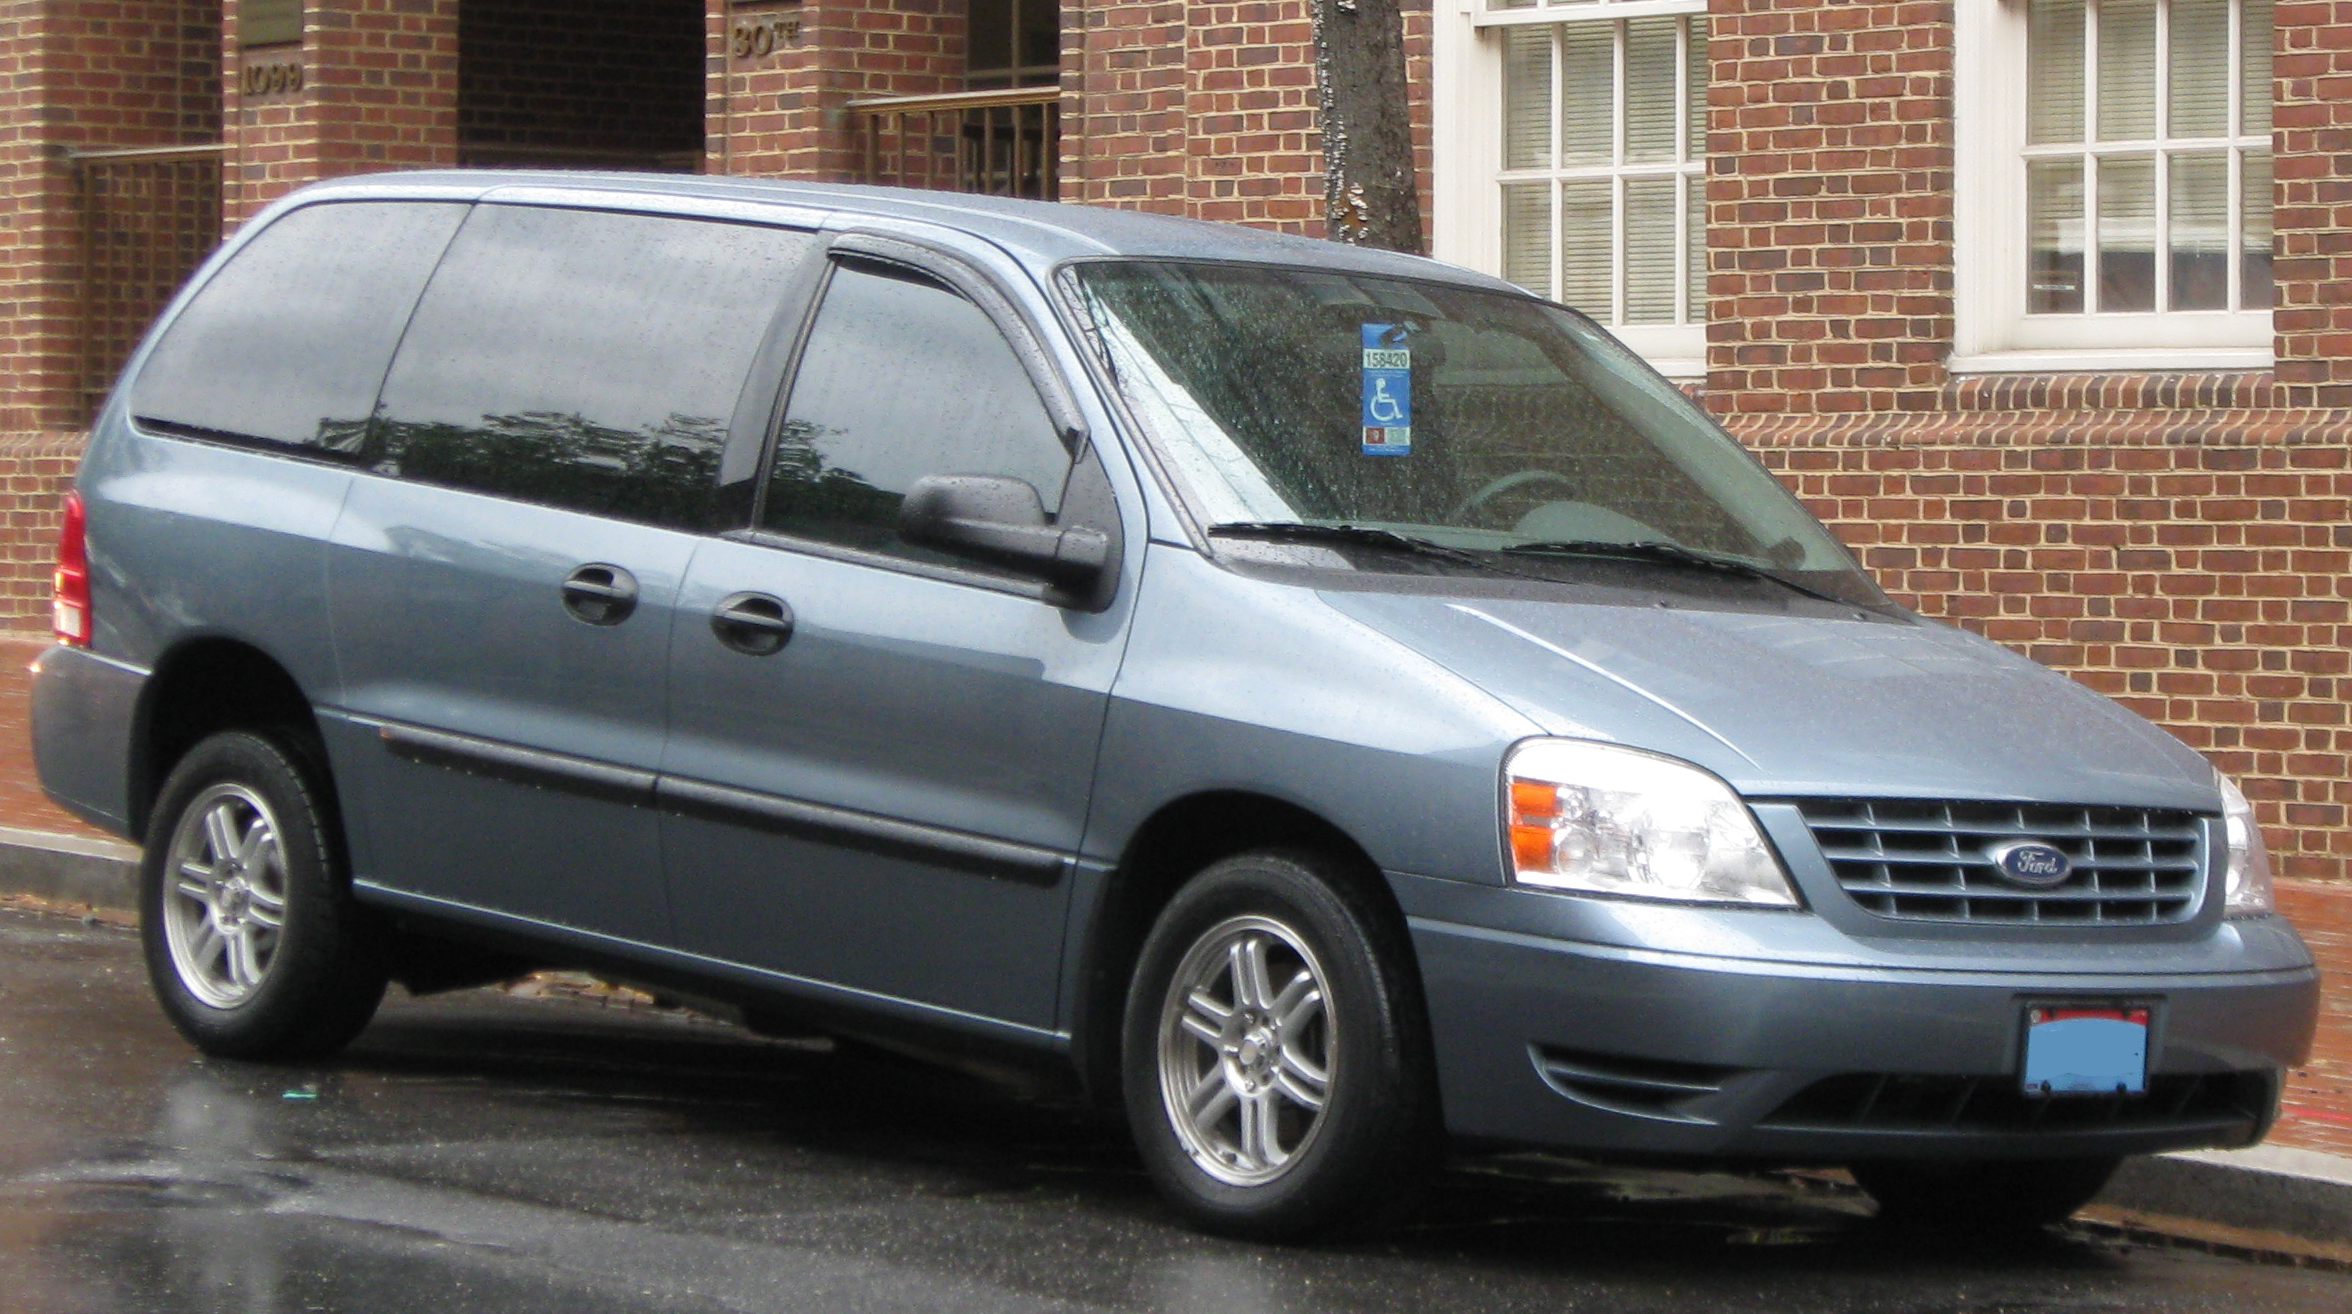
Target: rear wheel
(1982, 1198)
(1276, 1062)
(253, 943)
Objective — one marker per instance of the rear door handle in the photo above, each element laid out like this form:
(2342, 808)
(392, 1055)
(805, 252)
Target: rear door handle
(754, 624)
(600, 594)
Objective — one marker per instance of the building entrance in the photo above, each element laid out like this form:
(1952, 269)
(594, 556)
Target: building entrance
(580, 84)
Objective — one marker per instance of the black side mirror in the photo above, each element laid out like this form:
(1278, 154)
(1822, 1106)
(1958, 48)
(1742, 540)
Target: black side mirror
(1001, 520)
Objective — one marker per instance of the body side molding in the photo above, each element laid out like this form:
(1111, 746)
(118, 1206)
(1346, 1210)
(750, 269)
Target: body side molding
(847, 827)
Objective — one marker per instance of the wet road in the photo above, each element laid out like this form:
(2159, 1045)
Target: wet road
(483, 1152)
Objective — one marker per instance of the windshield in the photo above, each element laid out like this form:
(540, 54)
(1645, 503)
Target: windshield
(1475, 420)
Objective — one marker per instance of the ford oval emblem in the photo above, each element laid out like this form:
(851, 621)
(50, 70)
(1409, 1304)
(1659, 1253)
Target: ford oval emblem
(2031, 863)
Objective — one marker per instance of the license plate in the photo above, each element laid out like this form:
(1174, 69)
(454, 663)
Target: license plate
(2086, 1050)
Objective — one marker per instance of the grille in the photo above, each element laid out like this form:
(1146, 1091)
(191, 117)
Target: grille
(1929, 861)
(1880, 1102)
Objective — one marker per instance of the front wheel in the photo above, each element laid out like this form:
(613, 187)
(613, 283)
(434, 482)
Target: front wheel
(1276, 1071)
(1982, 1198)
(253, 943)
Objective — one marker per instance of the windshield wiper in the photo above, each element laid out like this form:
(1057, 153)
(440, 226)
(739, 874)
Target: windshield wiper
(1674, 553)
(1291, 531)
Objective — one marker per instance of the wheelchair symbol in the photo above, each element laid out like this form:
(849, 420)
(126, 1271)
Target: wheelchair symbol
(1382, 408)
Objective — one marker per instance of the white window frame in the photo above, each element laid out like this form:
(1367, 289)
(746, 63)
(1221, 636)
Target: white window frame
(1992, 332)
(1467, 131)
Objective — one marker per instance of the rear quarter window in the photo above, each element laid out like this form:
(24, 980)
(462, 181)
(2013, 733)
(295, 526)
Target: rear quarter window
(288, 343)
(585, 360)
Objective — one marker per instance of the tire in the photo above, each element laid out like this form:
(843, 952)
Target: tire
(1332, 1011)
(1982, 1198)
(254, 945)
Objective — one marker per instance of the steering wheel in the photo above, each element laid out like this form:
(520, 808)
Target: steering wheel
(1504, 485)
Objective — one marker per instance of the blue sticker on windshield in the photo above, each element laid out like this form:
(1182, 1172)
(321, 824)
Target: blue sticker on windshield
(1388, 390)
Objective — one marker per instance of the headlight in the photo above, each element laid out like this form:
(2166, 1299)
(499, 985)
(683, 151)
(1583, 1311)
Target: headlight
(2248, 880)
(1602, 819)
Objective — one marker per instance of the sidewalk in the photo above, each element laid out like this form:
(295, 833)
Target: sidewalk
(2297, 1184)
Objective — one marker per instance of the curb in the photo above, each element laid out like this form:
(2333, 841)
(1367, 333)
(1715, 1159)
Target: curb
(98, 873)
(2270, 1198)
(2273, 1189)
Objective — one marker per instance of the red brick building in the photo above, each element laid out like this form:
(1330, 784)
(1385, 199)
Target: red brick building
(2045, 304)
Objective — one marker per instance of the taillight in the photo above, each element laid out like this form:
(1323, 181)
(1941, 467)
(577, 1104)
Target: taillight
(73, 576)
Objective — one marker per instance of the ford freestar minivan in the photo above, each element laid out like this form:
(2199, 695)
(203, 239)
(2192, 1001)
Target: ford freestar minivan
(1329, 701)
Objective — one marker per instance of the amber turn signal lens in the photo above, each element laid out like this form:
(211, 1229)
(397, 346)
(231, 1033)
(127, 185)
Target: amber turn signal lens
(1534, 798)
(1532, 847)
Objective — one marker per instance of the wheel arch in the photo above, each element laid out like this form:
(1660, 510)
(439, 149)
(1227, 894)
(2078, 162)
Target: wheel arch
(200, 687)
(1174, 844)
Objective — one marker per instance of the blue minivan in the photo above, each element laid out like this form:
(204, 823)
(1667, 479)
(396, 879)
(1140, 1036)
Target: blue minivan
(1332, 704)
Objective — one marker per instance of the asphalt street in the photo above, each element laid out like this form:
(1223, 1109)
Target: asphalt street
(481, 1151)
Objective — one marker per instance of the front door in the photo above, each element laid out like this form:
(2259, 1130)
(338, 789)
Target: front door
(883, 795)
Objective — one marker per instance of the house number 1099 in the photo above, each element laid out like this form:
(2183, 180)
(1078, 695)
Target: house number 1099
(274, 77)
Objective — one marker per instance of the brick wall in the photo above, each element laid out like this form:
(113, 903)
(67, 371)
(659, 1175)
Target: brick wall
(35, 471)
(784, 113)
(2312, 134)
(74, 75)
(1208, 110)
(1829, 205)
(599, 82)
(79, 75)
(378, 91)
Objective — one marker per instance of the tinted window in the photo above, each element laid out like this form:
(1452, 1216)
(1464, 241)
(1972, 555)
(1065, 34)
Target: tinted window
(289, 341)
(584, 360)
(901, 378)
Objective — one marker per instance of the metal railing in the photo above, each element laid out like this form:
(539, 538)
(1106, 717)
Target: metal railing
(996, 143)
(150, 215)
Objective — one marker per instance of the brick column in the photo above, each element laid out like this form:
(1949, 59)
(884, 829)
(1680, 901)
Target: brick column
(1207, 109)
(782, 74)
(1124, 104)
(1829, 205)
(39, 243)
(2312, 141)
(1253, 141)
(376, 88)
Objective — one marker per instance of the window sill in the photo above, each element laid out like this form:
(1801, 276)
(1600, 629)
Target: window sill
(2124, 360)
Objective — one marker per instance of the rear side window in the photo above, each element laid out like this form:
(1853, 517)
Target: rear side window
(288, 342)
(584, 360)
(901, 378)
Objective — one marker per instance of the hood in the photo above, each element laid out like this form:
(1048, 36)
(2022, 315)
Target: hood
(1802, 705)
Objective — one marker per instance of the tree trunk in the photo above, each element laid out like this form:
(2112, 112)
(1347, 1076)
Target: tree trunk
(1372, 192)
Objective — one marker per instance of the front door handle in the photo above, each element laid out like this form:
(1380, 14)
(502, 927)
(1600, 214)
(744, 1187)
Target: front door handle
(754, 624)
(600, 594)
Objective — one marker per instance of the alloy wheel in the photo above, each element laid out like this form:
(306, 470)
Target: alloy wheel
(224, 910)
(1246, 1050)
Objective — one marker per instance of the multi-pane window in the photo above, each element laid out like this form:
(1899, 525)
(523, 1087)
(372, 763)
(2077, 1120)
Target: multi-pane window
(1603, 187)
(2147, 156)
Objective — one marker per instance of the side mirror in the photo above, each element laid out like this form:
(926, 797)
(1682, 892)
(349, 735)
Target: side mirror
(1001, 520)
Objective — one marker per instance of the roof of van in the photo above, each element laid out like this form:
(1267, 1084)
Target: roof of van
(1039, 233)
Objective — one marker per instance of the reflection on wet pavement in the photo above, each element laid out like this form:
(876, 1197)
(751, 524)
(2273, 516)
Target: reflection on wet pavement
(482, 1152)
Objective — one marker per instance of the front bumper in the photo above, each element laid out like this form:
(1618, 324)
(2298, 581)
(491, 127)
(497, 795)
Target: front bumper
(1611, 1048)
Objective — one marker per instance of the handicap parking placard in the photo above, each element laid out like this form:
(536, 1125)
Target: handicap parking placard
(1388, 390)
